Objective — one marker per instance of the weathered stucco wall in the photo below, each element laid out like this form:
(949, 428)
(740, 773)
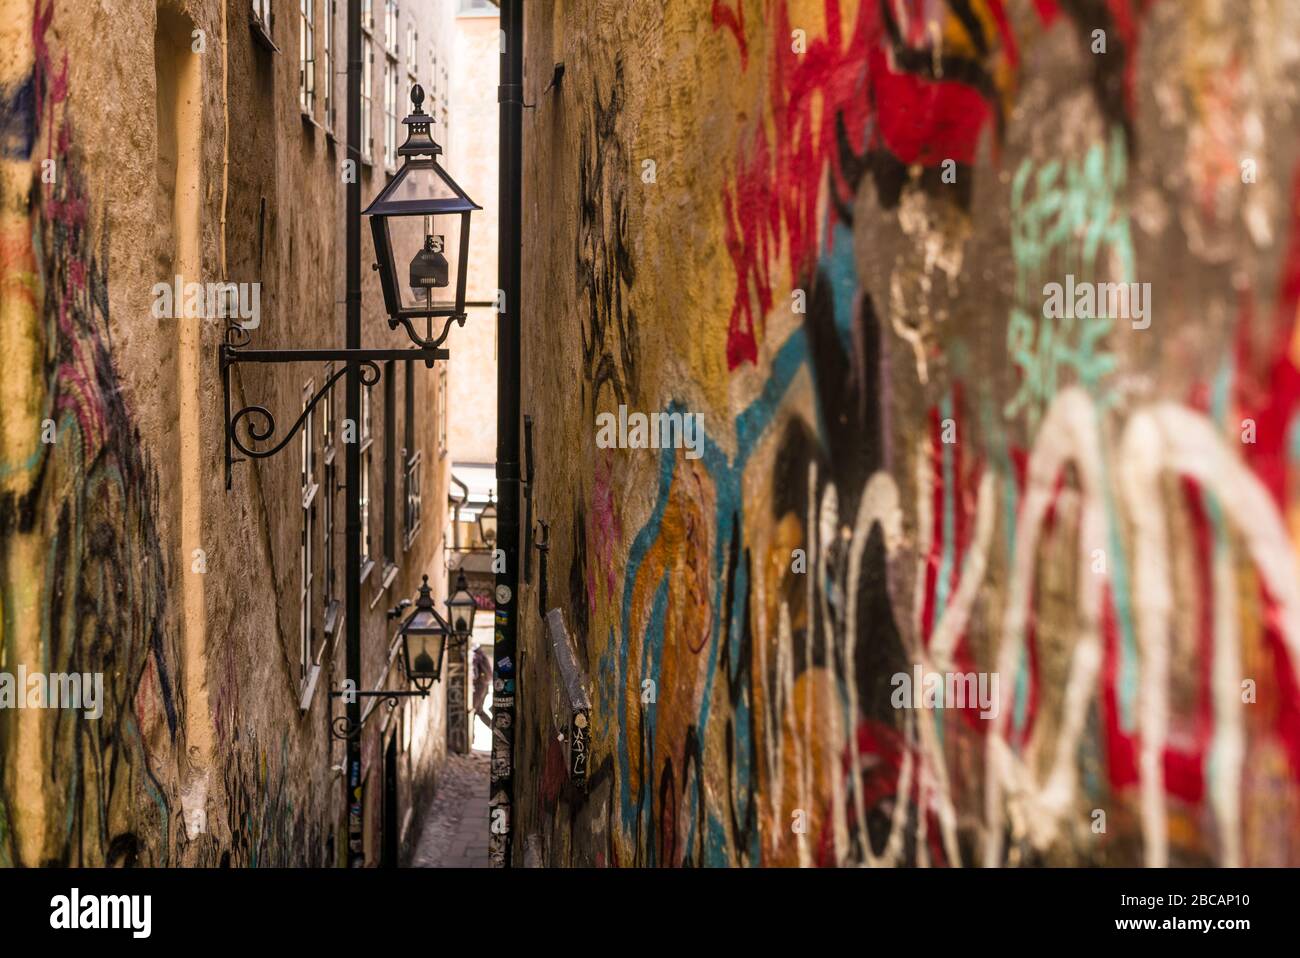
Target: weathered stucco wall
(209, 751)
(743, 209)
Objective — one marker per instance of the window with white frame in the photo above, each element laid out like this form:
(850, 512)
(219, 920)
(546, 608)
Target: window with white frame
(367, 459)
(262, 13)
(442, 410)
(327, 61)
(390, 113)
(307, 56)
(390, 464)
(330, 483)
(411, 457)
(412, 42)
(367, 77)
(306, 552)
(390, 25)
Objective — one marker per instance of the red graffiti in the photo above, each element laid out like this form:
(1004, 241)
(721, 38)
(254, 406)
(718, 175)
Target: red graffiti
(872, 83)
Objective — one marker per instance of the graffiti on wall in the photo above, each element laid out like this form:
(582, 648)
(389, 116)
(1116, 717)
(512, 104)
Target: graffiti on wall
(1126, 563)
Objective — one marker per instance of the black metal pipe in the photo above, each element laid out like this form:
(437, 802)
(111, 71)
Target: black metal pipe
(506, 660)
(352, 458)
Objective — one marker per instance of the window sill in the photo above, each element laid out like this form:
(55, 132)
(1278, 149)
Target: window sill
(332, 619)
(336, 632)
(262, 33)
(308, 119)
(308, 688)
(390, 574)
(367, 567)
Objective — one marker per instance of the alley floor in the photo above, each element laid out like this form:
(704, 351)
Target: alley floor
(456, 828)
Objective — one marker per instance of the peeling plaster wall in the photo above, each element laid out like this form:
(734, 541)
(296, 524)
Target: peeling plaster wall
(203, 755)
(826, 226)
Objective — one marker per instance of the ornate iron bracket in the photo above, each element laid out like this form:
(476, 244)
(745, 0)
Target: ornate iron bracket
(258, 422)
(343, 729)
(426, 341)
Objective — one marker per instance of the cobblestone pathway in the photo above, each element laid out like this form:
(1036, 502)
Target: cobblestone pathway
(456, 829)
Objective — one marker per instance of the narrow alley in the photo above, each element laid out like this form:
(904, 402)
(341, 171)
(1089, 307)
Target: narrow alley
(647, 434)
(455, 834)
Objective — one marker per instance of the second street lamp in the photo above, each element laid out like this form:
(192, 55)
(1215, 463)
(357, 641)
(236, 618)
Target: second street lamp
(461, 608)
(487, 522)
(424, 637)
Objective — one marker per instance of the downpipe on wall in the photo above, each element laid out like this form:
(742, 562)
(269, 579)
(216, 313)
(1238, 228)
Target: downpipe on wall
(505, 673)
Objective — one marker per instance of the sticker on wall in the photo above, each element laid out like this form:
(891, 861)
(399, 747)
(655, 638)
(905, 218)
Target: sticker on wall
(503, 594)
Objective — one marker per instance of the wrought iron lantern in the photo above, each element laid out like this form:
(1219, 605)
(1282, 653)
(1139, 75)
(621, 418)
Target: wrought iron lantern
(461, 608)
(420, 224)
(487, 522)
(424, 637)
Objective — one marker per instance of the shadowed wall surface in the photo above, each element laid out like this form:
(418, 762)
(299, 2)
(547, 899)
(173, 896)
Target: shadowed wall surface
(827, 226)
(141, 140)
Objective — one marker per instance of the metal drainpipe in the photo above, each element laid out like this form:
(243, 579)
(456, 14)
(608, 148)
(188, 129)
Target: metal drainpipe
(352, 457)
(506, 658)
(464, 498)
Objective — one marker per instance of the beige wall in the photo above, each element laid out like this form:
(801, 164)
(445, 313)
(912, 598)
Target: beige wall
(472, 160)
(203, 755)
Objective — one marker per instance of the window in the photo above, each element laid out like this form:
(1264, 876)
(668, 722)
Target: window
(390, 25)
(412, 43)
(367, 16)
(442, 410)
(330, 602)
(328, 60)
(390, 113)
(478, 6)
(367, 73)
(411, 459)
(367, 442)
(307, 475)
(307, 56)
(262, 14)
(390, 463)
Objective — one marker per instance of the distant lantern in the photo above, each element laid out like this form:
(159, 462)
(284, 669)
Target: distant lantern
(487, 522)
(420, 224)
(461, 608)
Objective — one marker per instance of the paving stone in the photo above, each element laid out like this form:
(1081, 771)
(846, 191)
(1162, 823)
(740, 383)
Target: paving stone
(456, 825)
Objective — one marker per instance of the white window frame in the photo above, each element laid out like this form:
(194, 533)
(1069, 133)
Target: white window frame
(367, 78)
(390, 113)
(390, 25)
(328, 58)
(307, 56)
(367, 457)
(306, 544)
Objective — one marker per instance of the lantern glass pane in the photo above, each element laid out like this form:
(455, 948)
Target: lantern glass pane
(426, 258)
(420, 182)
(422, 622)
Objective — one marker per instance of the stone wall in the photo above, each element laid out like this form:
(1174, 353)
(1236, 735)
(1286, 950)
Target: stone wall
(828, 228)
(141, 142)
